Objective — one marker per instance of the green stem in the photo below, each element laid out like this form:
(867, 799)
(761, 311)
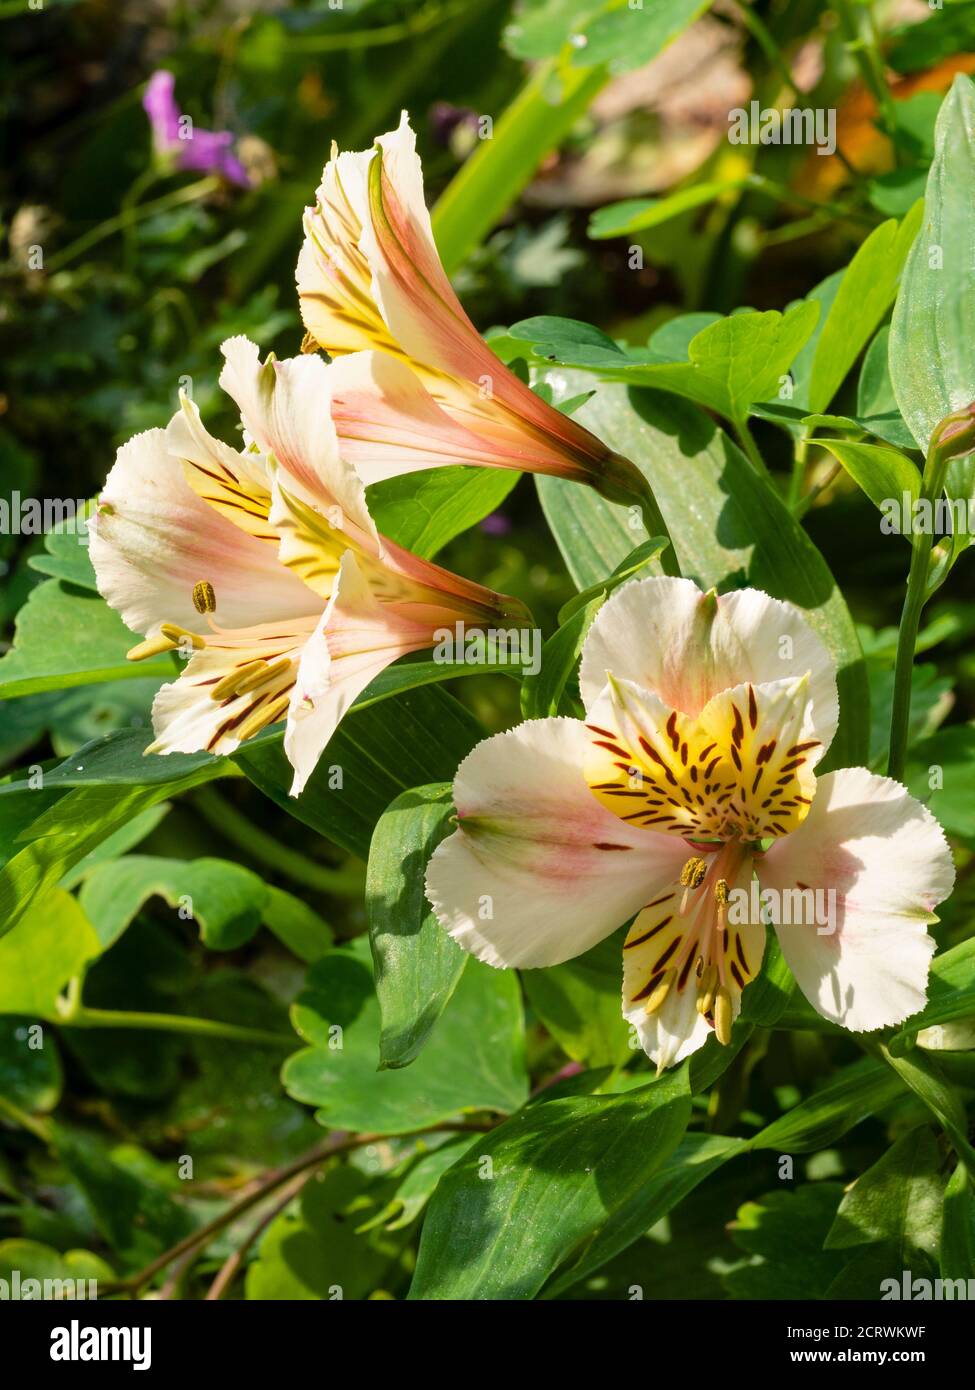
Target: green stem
(767, 43)
(915, 598)
(187, 194)
(862, 41)
(266, 849)
(747, 440)
(80, 1016)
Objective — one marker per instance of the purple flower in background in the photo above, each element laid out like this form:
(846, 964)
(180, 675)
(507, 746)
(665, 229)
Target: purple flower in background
(496, 524)
(175, 136)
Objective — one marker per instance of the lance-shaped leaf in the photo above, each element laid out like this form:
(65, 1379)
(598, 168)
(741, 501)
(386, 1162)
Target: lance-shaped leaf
(560, 1171)
(931, 362)
(896, 1202)
(417, 964)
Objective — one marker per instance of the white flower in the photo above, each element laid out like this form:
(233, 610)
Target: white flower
(692, 776)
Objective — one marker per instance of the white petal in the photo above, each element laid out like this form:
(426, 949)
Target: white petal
(884, 857)
(537, 871)
(685, 646)
(286, 409)
(153, 539)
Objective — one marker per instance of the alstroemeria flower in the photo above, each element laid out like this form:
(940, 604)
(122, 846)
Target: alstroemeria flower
(265, 567)
(209, 151)
(415, 385)
(688, 801)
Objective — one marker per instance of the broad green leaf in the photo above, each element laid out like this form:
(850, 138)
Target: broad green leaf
(374, 755)
(731, 363)
(316, 1252)
(920, 1072)
(65, 555)
(416, 1181)
(69, 830)
(896, 1202)
(225, 899)
(295, 924)
(857, 1091)
(931, 365)
(472, 1061)
(579, 1003)
(626, 37)
(30, 1068)
(884, 474)
(695, 1158)
(957, 1255)
(540, 28)
(66, 637)
(951, 992)
(52, 942)
(865, 293)
(417, 964)
(640, 214)
(940, 772)
(59, 1271)
(423, 511)
(783, 1233)
(641, 558)
(560, 1171)
(736, 532)
(137, 1217)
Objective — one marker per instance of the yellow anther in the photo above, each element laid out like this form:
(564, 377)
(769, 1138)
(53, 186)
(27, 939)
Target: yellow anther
(153, 646)
(267, 714)
(179, 635)
(692, 874)
(722, 1015)
(721, 892)
(260, 675)
(229, 684)
(706, 990)
(660, 993)
(204, 599)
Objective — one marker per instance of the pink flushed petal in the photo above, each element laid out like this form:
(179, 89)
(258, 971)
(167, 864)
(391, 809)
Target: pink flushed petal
(357, 638)
(426, 317)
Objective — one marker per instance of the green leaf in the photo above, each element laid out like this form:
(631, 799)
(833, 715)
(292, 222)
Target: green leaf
(524, 1198)
(940, 772)
(857, 1091)
(316, 1252)
(59, 1270)
(225, 899)
(737, 532)
(896, 1202)
(695, 1158)
(931, 364)
(338, 1015)
(951, 992)
(884, 474)
(424, 511)
(295, 924)
(70, 829)
(783, 1232)
(540, 28)
(374, 755)
(957, 1255)
(579, 1003)
(65, 555)
(919, 1071)
(65, 637)
(52, 942)
(865, 293)
(641, 214)
(627, 37)
(731, 363)
(30, 1068)
(417, 964)
(416, 1181)
(543, 694)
